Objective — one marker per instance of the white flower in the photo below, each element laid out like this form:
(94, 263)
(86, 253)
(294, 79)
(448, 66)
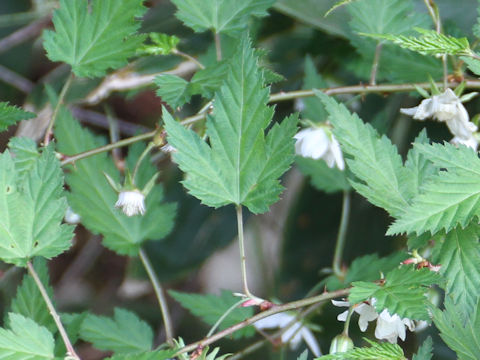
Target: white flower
(315, 143)
(71, 217)
(294, 334)
(390, 327)
(471, 142)
(132, 202)
(366, 311)
(448, 108)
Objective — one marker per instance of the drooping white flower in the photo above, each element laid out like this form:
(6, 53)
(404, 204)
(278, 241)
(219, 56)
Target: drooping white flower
(448, 108)
(315, 143)
(471, 142)
(366, 311)
(132, 202)
(294, 334)
(71, 217)
(391, 327)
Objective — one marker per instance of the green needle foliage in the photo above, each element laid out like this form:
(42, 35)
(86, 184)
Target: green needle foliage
(32, 210)
(10, 115)
(241, 165)
(93, 42)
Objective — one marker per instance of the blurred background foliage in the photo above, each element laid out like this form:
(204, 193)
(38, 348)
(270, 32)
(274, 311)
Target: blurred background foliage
(291, 246)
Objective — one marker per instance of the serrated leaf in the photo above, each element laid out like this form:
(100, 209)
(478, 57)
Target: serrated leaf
(124, 334)
(25, 154)
(376, 351)
(173, 90)
(473, 64)
(321, 176)
(162, 44)
(425, 351)
(25, 340)
(458, 253)
(28, 300)
(10, 115)
(32, 210)
(221, 16)
(92, 197)
(373, 160)
(451, 197)
(461, 334)
(241, 165)
(210, 308)
(402, 292)
(207, 81)
(93, 42)
(151, 355)
(313, 107)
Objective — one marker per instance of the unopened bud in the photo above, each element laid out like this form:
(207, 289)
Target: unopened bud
(341, 343)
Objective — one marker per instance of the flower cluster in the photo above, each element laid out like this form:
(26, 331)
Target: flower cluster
(448, 108)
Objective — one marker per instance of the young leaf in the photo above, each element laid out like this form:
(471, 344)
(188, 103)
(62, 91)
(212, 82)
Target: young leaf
(221, 16)
(124, 334)
(403, 283)
(25, 340)
(173, 90)
(93, 42)
(32, 210)
(92, 197)
(458, 253)
(432, 210)
(241, 165)
(323, 178)
(10, 115)
(374, 160)
(376, 351)
(29, 302)
(210, 308)
(425, 351)
(461, 334)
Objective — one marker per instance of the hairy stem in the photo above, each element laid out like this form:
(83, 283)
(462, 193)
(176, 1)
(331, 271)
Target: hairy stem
(243, 258)
(61, 97)
(53, 312)
(376, 61)
(218, 46)
(140, 159)
(342, 235)
(189, 57)
(223, 317)
(162, 301)
(275, 310)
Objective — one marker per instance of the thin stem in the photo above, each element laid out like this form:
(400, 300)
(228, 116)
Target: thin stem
(376, 61)
(225, 314)
(189, 57)
(275, 310)
(17, 81)
(435, 15)
(162, 301)
(140, 159)
(248, 350)
(241, 245)
(342, 235)
(65, 88)
(346, 327)
(53, 312)
(218, 46)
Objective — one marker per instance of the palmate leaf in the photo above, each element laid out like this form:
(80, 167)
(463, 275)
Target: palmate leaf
(25, 340)
(376, 351)
(374, 160)
(221, 16)
(458, 253)
(124, 334)
(402, 292)
(32, 210)
(450, 198)
(461, 334)
(10, 115)
(93, 42)
(93, 198)
(241, 165)
(210, 308)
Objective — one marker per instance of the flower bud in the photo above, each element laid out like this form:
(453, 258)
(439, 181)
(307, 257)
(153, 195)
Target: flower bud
(341, 343)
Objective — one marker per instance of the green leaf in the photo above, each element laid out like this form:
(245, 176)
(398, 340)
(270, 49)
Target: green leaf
(221, 16)
(32, 210)
(10, 115)
(28, 300)
(124, 334)
(92, 197)
(162, 44)
(210, 308)
(429, 43)
(241, 165)
(151, 355)
(458, 253)
(303, 355)
(314, 109)
(376, 351)
(473, 64)
(173, 90)
(425, 351)
(432, 210)
(323, 178)
(373, 159)
(461, 334)
(207, 81)
(402, 292)
(26, 153)
(93, 42)
(25, 340)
